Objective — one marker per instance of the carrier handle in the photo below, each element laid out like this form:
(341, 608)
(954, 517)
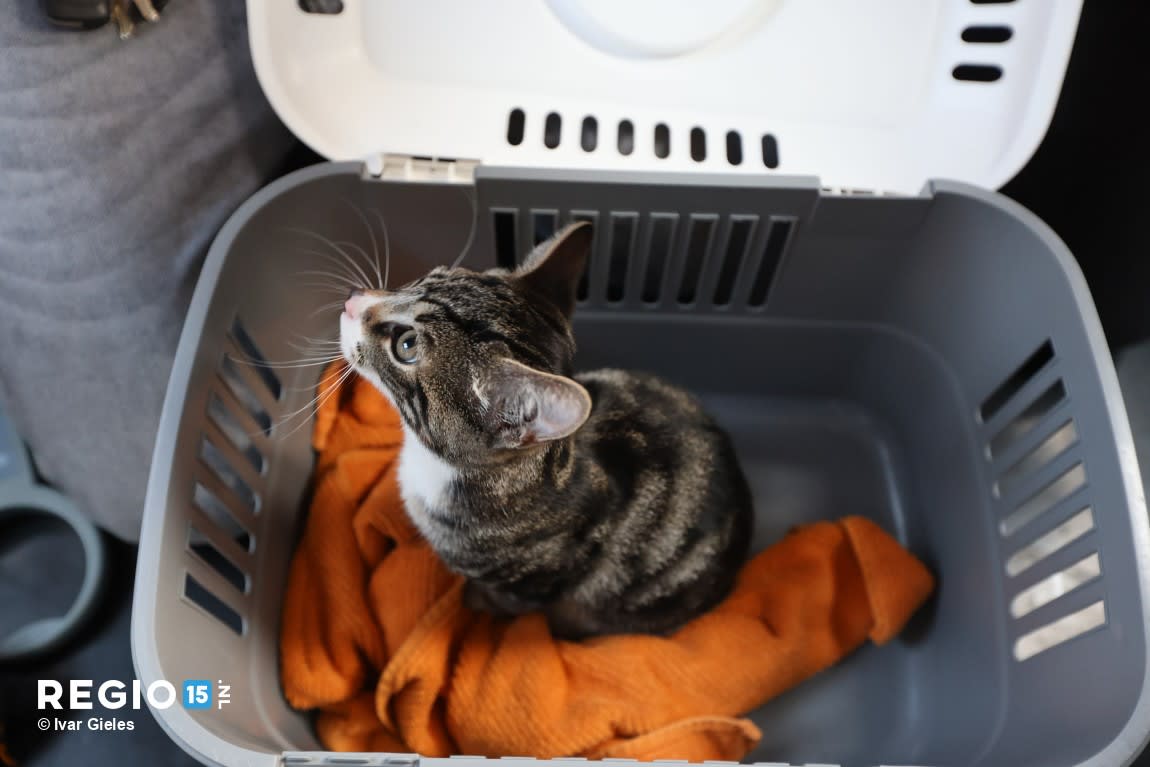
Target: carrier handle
(21, 497)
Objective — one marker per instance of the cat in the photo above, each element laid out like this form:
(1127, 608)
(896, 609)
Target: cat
(608, 500)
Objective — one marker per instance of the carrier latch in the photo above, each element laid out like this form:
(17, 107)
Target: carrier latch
(405, 167)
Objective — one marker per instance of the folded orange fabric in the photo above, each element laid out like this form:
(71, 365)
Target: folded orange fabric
(5, 757)
(375, 634)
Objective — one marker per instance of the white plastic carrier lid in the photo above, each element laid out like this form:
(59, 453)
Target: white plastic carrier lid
(879, 95)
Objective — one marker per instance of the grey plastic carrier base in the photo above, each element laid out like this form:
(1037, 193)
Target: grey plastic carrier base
(933, 362)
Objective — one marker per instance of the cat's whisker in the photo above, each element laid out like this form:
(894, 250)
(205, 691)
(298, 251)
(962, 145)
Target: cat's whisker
(298, 389)
(314, 350)
(328, 283)
(334, 246)
(316, 403)
(343, 291)
(340, 264)
(331, 348)
(386, 248)
(317, 340)
(374, 241)
(347, 262)
(311, 363)
(359, 249)
(345, 279)
(318, 343)
(304, 365)
(473, 198)
(342, 271)
(266, 363)
(320, 395)
(288, 364)
(365, 257)
(329, 307)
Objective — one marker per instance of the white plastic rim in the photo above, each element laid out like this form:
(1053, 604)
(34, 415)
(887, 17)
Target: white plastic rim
(625, 29)
(865, 96)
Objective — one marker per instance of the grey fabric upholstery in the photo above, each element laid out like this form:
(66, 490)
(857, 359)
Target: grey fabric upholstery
(119, 161)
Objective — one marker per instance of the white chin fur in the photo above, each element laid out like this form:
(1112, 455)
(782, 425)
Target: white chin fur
(424, 477)
(424, 482)
(350, 334)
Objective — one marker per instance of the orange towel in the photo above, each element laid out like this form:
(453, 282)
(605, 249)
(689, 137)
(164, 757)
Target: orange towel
(5, 757)
(376, 637)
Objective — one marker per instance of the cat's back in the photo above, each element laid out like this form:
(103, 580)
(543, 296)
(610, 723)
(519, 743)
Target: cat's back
(672, 506)
(660, 454)
(641, 407)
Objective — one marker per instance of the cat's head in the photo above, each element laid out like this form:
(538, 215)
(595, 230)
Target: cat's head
(477, 363)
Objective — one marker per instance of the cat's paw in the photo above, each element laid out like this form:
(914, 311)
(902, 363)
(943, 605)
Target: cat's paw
(484, 599)
(477, 598)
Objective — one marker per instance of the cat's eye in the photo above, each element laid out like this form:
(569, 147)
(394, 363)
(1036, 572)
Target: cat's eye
(405, 345)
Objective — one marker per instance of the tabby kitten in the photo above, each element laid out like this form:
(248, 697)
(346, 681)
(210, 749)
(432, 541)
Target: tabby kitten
(607, 500)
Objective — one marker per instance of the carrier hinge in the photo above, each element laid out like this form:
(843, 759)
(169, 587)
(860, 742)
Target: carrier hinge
(406, 167)
(843, 191)
(323, 758)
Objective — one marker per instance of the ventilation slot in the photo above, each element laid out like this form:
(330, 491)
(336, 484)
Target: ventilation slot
(321, 7)
(663, 227)
(239, 437)
(1007, 390)
(770, 150)
(1020, 426)
(741, 227)
(734, 148)
(662, 141)
(622, 250)
(202, 546)
(195, 593)
(1046, 451)
(552, 130)
(1058, 490)
(1055, 540)
(991, 2)
(256, 358)
(626, 137)
(773, 249)
(977, 73)
(1060, 631)
(1025, 422)
(516, 122)
(589, 134)
(221, 516)
(226, 474)
(503, 226)
(244, 394)
(1054, 586)
(698, 145)
(590, 217)
(699, 237)
(987, 34)
(543, 223)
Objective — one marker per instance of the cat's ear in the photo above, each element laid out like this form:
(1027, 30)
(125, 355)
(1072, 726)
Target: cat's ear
(554, 268)
(523, 406)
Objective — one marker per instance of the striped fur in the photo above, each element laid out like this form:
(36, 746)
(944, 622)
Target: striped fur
(609, 500)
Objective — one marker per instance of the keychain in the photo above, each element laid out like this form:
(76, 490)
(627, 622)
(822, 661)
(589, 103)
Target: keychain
(93, 14)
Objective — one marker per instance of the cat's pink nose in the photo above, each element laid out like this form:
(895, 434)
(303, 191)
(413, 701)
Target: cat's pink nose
(356, 303)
